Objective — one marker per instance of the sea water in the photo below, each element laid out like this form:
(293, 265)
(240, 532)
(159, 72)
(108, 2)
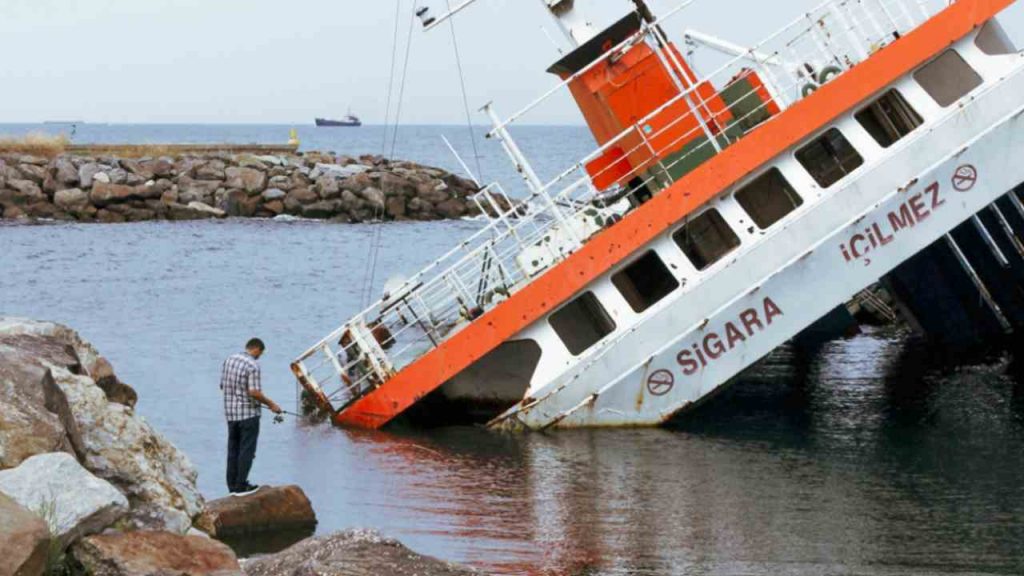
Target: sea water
(870, 456)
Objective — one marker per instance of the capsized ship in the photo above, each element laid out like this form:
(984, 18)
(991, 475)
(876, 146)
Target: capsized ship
(722, 214)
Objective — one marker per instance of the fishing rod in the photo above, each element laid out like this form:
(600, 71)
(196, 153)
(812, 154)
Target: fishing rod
(279, 417)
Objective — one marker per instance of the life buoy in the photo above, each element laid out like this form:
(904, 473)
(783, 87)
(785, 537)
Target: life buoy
(828, 73)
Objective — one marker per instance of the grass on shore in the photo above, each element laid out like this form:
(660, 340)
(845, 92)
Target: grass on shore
(50, 146)
(45, 145)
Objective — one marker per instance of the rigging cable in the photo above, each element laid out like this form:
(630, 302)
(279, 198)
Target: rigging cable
(391, 76)
(465, 97)
(379, 213)
(367, 285)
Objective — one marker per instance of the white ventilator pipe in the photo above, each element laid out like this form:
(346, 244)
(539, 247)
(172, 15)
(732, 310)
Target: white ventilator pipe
(730, 48)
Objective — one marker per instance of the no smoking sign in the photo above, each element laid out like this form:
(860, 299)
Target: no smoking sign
(661, 382)
(965, 178)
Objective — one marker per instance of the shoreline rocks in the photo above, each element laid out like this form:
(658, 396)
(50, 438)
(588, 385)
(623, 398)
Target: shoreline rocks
(219, 185)
(75, 502)
(89, 487)
(351, 553)
(24, 540)
(269, 509)
(50, 401)
(153, 554)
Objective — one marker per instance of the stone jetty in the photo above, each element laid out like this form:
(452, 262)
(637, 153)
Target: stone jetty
(218, 185)
(87, 486)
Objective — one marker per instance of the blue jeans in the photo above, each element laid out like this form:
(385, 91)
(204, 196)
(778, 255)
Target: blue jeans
(242, 437)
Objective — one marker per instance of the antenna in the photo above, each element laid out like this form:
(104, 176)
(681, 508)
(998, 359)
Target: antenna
(429, 22)
(552, 40)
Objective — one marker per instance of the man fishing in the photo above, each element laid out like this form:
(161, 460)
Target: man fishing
(243, 397)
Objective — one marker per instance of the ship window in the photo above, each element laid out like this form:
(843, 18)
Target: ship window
(993, 40)
(645, 282)
(582, 323)
(889, 118)
(829, 158)
(769, 198)
(706, 239)
(948, 78)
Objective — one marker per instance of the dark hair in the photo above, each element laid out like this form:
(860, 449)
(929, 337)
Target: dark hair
(255, 343)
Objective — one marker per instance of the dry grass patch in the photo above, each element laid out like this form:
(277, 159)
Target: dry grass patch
(49, 146)
(154, 150)
(46, 145)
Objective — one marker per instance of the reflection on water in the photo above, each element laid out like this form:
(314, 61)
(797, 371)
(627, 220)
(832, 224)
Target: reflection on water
(872, 456)
(866, 458)
(265, 542)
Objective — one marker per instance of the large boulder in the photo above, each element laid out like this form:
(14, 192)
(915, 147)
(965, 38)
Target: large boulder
(138, 169)
(34, 414)
(64, 171)
(270, 509)
(212, 170)
(352, 553)
(249, 179)
(160, 168)
(281, 182)
(87, 172)
(299, 197)
(153, 189)
(25, 192)
(374, 197)
(190, 190)
(33, 172)
(451, 208)
(154, 554)
(73, 501)
(337, 171)
(71, 199)
(393, 185)
(193, 211)
(24, 540)
(122, 448)
(328, 188)
(396, 207)
(357, 183)
(272, 194)
(47, 379)
(322, 210)
(239, 203)
(104, 193)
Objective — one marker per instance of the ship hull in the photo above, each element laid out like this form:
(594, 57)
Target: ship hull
(909, 200)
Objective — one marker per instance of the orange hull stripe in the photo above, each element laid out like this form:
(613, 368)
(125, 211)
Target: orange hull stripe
(645, 223)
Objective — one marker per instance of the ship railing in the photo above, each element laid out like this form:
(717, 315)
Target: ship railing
(522, 240)
(426, 309)
(796, 60)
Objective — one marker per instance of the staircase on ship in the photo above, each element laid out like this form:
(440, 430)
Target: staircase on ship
(722, 215)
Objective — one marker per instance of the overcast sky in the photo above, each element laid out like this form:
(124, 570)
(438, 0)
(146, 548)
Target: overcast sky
(269, 61)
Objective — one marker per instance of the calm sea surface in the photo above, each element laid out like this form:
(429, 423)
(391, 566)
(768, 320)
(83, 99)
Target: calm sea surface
(869, 457)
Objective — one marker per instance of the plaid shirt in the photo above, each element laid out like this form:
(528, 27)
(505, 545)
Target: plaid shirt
(240, 374)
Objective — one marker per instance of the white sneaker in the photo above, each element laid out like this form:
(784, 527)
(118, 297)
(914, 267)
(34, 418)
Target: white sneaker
(249, 489)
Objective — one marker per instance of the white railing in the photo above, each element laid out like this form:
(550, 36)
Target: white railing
(523, 240)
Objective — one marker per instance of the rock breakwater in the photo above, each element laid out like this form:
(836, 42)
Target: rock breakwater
(89, 487)
(217, 185)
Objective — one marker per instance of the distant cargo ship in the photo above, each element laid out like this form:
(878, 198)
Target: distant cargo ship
(349, 120)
